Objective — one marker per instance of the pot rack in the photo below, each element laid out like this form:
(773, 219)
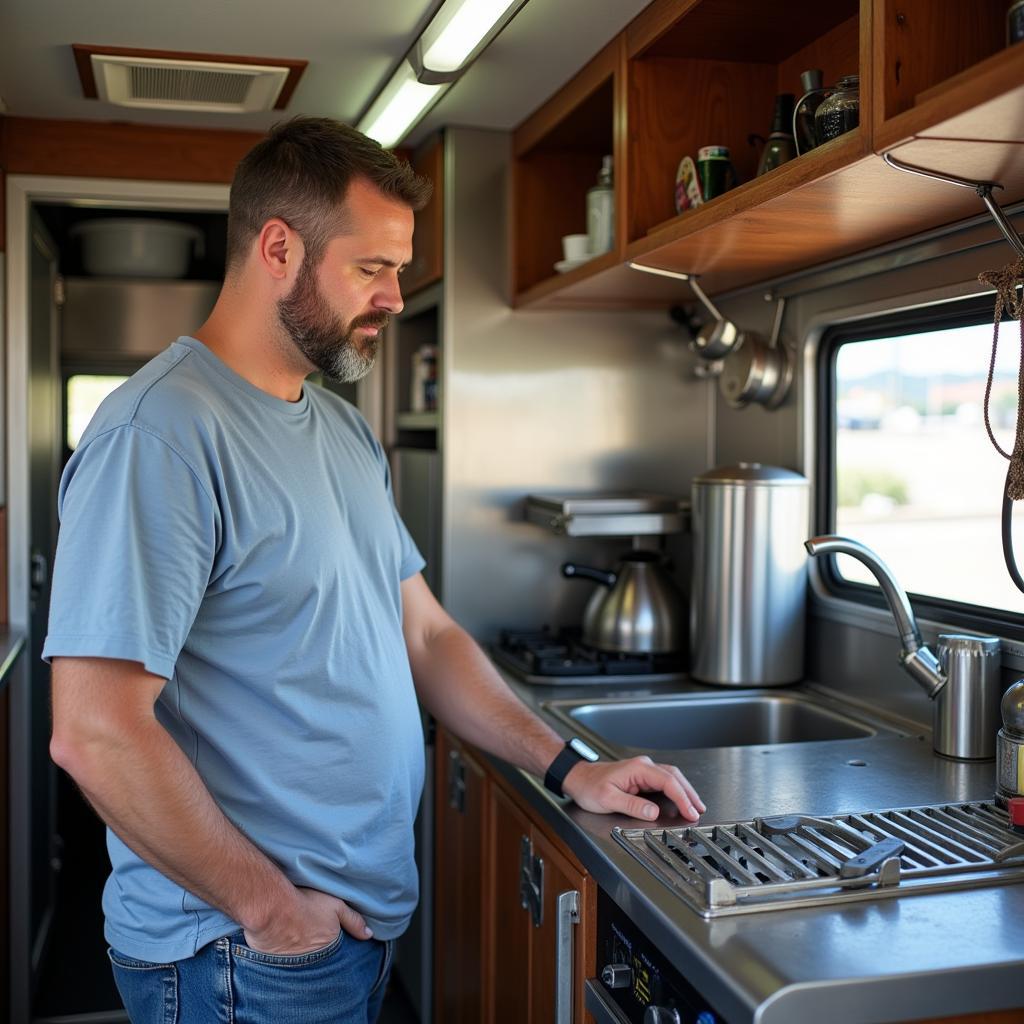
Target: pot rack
(983, 188)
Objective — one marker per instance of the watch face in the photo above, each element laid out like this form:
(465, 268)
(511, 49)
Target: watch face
(586, 752)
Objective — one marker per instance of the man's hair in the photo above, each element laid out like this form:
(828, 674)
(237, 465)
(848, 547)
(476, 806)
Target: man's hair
(301, 173)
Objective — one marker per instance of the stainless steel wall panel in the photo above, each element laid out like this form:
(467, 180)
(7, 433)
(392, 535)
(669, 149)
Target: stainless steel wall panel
(541, 402)
(130, 319)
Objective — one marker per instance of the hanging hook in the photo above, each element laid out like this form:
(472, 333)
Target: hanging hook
(983, 188)
(780, 312)
(678, 275)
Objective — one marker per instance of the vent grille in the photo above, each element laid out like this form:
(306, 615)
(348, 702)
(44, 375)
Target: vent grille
(171, 84)
(187, 85)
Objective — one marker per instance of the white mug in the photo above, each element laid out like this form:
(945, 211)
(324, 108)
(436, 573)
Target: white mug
(576, 247)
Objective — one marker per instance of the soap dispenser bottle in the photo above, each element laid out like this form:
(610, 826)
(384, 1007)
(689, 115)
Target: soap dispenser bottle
(601, 210)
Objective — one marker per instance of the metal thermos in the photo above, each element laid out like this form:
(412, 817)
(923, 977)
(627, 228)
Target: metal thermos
(1010, 745)
(749, 588)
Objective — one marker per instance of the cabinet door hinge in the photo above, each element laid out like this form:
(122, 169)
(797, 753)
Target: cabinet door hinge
(59, 292)
(531, 881)
(456, 782)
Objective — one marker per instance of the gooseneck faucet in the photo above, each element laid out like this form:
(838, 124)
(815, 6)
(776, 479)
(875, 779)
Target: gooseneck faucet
(916, 657)
(963, 680)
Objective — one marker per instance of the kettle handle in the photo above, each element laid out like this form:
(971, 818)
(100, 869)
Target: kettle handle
(570, 570)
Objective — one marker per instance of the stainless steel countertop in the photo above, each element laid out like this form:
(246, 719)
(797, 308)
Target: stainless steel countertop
(905, 958)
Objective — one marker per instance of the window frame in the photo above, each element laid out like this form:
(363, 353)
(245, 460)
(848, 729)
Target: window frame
(105, 367)
(943, 316)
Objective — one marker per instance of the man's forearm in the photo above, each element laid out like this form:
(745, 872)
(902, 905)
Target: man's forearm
(459, 686)
(147, 791)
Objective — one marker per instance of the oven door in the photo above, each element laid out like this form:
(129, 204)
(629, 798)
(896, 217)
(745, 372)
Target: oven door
(600, 1006)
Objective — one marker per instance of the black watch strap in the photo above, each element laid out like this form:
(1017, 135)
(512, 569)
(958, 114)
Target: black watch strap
(568, 758)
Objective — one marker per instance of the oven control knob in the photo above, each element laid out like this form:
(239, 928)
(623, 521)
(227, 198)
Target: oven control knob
(661, 1015)
(617, 975)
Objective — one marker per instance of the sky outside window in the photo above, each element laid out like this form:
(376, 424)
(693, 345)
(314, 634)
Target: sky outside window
(916, 477)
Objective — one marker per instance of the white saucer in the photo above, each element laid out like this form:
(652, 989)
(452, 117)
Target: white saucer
(564, 265)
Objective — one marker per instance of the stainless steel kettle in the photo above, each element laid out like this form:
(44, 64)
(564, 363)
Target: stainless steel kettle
(637, 609)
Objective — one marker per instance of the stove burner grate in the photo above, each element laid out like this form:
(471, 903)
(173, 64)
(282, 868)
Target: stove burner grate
(547, 652)
(737, 868)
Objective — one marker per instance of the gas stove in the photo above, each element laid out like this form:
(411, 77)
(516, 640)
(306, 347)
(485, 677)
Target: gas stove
(548, 656)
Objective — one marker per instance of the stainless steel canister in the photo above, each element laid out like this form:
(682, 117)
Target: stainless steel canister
(749, 590)
(967, 707)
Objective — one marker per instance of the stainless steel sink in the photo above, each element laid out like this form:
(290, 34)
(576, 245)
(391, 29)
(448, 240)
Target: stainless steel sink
(737, 719)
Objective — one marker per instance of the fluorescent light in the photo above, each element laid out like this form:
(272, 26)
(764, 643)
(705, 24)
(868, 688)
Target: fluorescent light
(457, 29)
(398, 106)
(456, 35)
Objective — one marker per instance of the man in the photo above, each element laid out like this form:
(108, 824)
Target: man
(239, 629)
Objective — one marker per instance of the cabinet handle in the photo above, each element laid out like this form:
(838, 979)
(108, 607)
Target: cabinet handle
(567, 917)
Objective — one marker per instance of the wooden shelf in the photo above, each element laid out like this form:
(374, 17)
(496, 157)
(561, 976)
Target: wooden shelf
(417, 420)
(793, 217)
(984, 103)
(557, 154)
(711, 76)
(958, 111)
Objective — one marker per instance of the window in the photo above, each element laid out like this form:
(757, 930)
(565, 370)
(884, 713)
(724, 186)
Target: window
(913, 474)
(84, 392)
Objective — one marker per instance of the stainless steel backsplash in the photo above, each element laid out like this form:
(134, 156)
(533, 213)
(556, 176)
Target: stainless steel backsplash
(539, 401)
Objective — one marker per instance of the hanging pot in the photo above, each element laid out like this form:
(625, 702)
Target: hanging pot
(756, 371)
(637, 609)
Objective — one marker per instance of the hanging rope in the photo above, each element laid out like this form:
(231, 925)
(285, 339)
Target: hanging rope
(1006, 282)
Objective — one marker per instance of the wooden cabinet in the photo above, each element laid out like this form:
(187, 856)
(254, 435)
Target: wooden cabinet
(515, 912)
(462, 918)
(544, 939)
(509, 965)
(938, 87)
(427, 264)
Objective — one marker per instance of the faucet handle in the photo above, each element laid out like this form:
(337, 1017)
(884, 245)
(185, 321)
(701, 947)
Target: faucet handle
(925, 668)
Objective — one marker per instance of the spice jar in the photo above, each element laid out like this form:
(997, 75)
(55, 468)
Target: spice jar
(840, 113)
(717, 174)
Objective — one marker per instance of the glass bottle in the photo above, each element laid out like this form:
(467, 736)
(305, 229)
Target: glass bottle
(840, 113)
(601, 210)
(779, 147)
(803, 116)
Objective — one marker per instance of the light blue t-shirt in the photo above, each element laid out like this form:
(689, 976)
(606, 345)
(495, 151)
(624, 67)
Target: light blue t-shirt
(248, 549)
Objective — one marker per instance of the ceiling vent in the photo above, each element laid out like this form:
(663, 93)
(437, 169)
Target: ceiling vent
(158, 80)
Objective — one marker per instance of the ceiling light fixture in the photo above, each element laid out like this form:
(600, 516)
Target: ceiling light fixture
(457, 34)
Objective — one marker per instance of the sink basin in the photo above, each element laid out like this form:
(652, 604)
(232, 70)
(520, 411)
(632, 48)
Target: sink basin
(742, 718)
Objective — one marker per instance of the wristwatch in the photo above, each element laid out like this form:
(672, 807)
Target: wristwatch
(572, 753)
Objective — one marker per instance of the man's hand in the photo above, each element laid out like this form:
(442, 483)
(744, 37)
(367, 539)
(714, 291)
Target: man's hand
(311, 923)
(611, 787)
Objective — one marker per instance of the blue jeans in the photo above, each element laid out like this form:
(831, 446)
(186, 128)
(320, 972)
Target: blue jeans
(226, 982)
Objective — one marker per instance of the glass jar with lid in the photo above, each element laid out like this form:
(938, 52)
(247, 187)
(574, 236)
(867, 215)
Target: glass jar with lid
(840, 113)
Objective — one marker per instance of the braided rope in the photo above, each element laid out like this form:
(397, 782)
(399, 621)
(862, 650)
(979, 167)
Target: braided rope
(1006, 281)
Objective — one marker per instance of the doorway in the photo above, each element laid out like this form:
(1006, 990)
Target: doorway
(51, 907)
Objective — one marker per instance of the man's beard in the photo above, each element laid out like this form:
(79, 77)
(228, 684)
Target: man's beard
(321, 336)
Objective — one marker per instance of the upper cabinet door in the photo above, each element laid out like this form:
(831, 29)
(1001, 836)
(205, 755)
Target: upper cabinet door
(427, 264)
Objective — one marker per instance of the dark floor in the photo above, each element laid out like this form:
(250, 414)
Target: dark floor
(76, 977)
